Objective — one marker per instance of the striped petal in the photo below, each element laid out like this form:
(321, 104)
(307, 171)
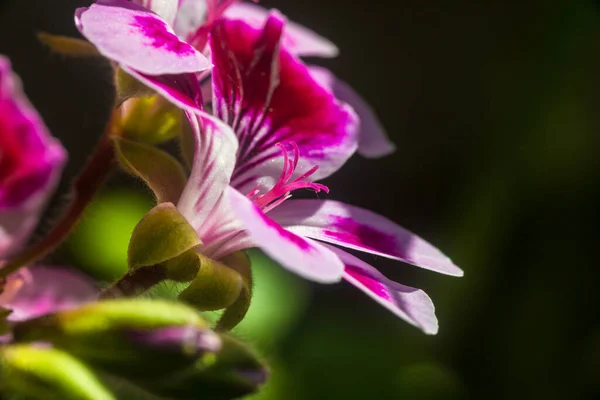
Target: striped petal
(302, 256)
(269, 96)
(410, 304)
(360, 229)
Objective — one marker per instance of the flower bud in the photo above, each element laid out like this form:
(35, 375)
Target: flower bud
(235, 371)
(46, 373)
(133, 338)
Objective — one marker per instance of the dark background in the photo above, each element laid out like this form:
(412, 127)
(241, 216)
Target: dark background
(494, 109)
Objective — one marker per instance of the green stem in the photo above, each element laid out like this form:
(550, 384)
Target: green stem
(135, 282)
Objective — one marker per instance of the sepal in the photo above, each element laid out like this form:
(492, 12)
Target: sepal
(215, 286)
(151, 119)
(68, 46)
(163, 174)
(161, 235)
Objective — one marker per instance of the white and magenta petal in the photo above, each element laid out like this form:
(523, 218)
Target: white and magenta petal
(410, 304)
(300, 255)
(215, 146)
(360, 229)
(137, 38)
(269, 96)
(31, 161)
(296, 38)
(373, 140)
(44, 290)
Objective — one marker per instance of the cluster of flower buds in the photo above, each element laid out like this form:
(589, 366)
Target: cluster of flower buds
(255, 124)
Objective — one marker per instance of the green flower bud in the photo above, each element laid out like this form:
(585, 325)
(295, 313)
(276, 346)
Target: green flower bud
(130, 338)
(161, 235)
(47, 374)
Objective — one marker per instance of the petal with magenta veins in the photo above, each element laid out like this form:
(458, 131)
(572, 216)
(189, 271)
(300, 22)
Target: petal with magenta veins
(302, 256)
(360, 229)
(412, 305)
(268, 96)
(373, 140)
(49, 289)
(31, 161)
(297, 39)
(137, 38)
(215, 146)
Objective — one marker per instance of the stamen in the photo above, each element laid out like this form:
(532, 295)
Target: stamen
(282, 189)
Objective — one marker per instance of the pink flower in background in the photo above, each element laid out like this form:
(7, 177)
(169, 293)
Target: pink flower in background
(31, 161)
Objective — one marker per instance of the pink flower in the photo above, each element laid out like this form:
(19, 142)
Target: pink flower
(31, 161)
(279, 127)
(273, 107)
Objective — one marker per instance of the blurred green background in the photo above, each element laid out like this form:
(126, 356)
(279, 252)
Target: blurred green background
(494, 107)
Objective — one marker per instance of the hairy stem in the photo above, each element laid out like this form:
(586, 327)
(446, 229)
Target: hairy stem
(135, 282)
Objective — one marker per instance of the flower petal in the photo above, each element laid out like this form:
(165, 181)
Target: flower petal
(301, 256)
(137, 38)
(360, 229)
(268, 96)
(410, 304)
(296, 38)
(183, 90)
(50, 289)
(31, 161)
(373, 141)
(215, 146)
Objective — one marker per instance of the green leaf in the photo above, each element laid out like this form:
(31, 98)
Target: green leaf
(68, 46)
(161, 172)
(47, 373)
(161, 235)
